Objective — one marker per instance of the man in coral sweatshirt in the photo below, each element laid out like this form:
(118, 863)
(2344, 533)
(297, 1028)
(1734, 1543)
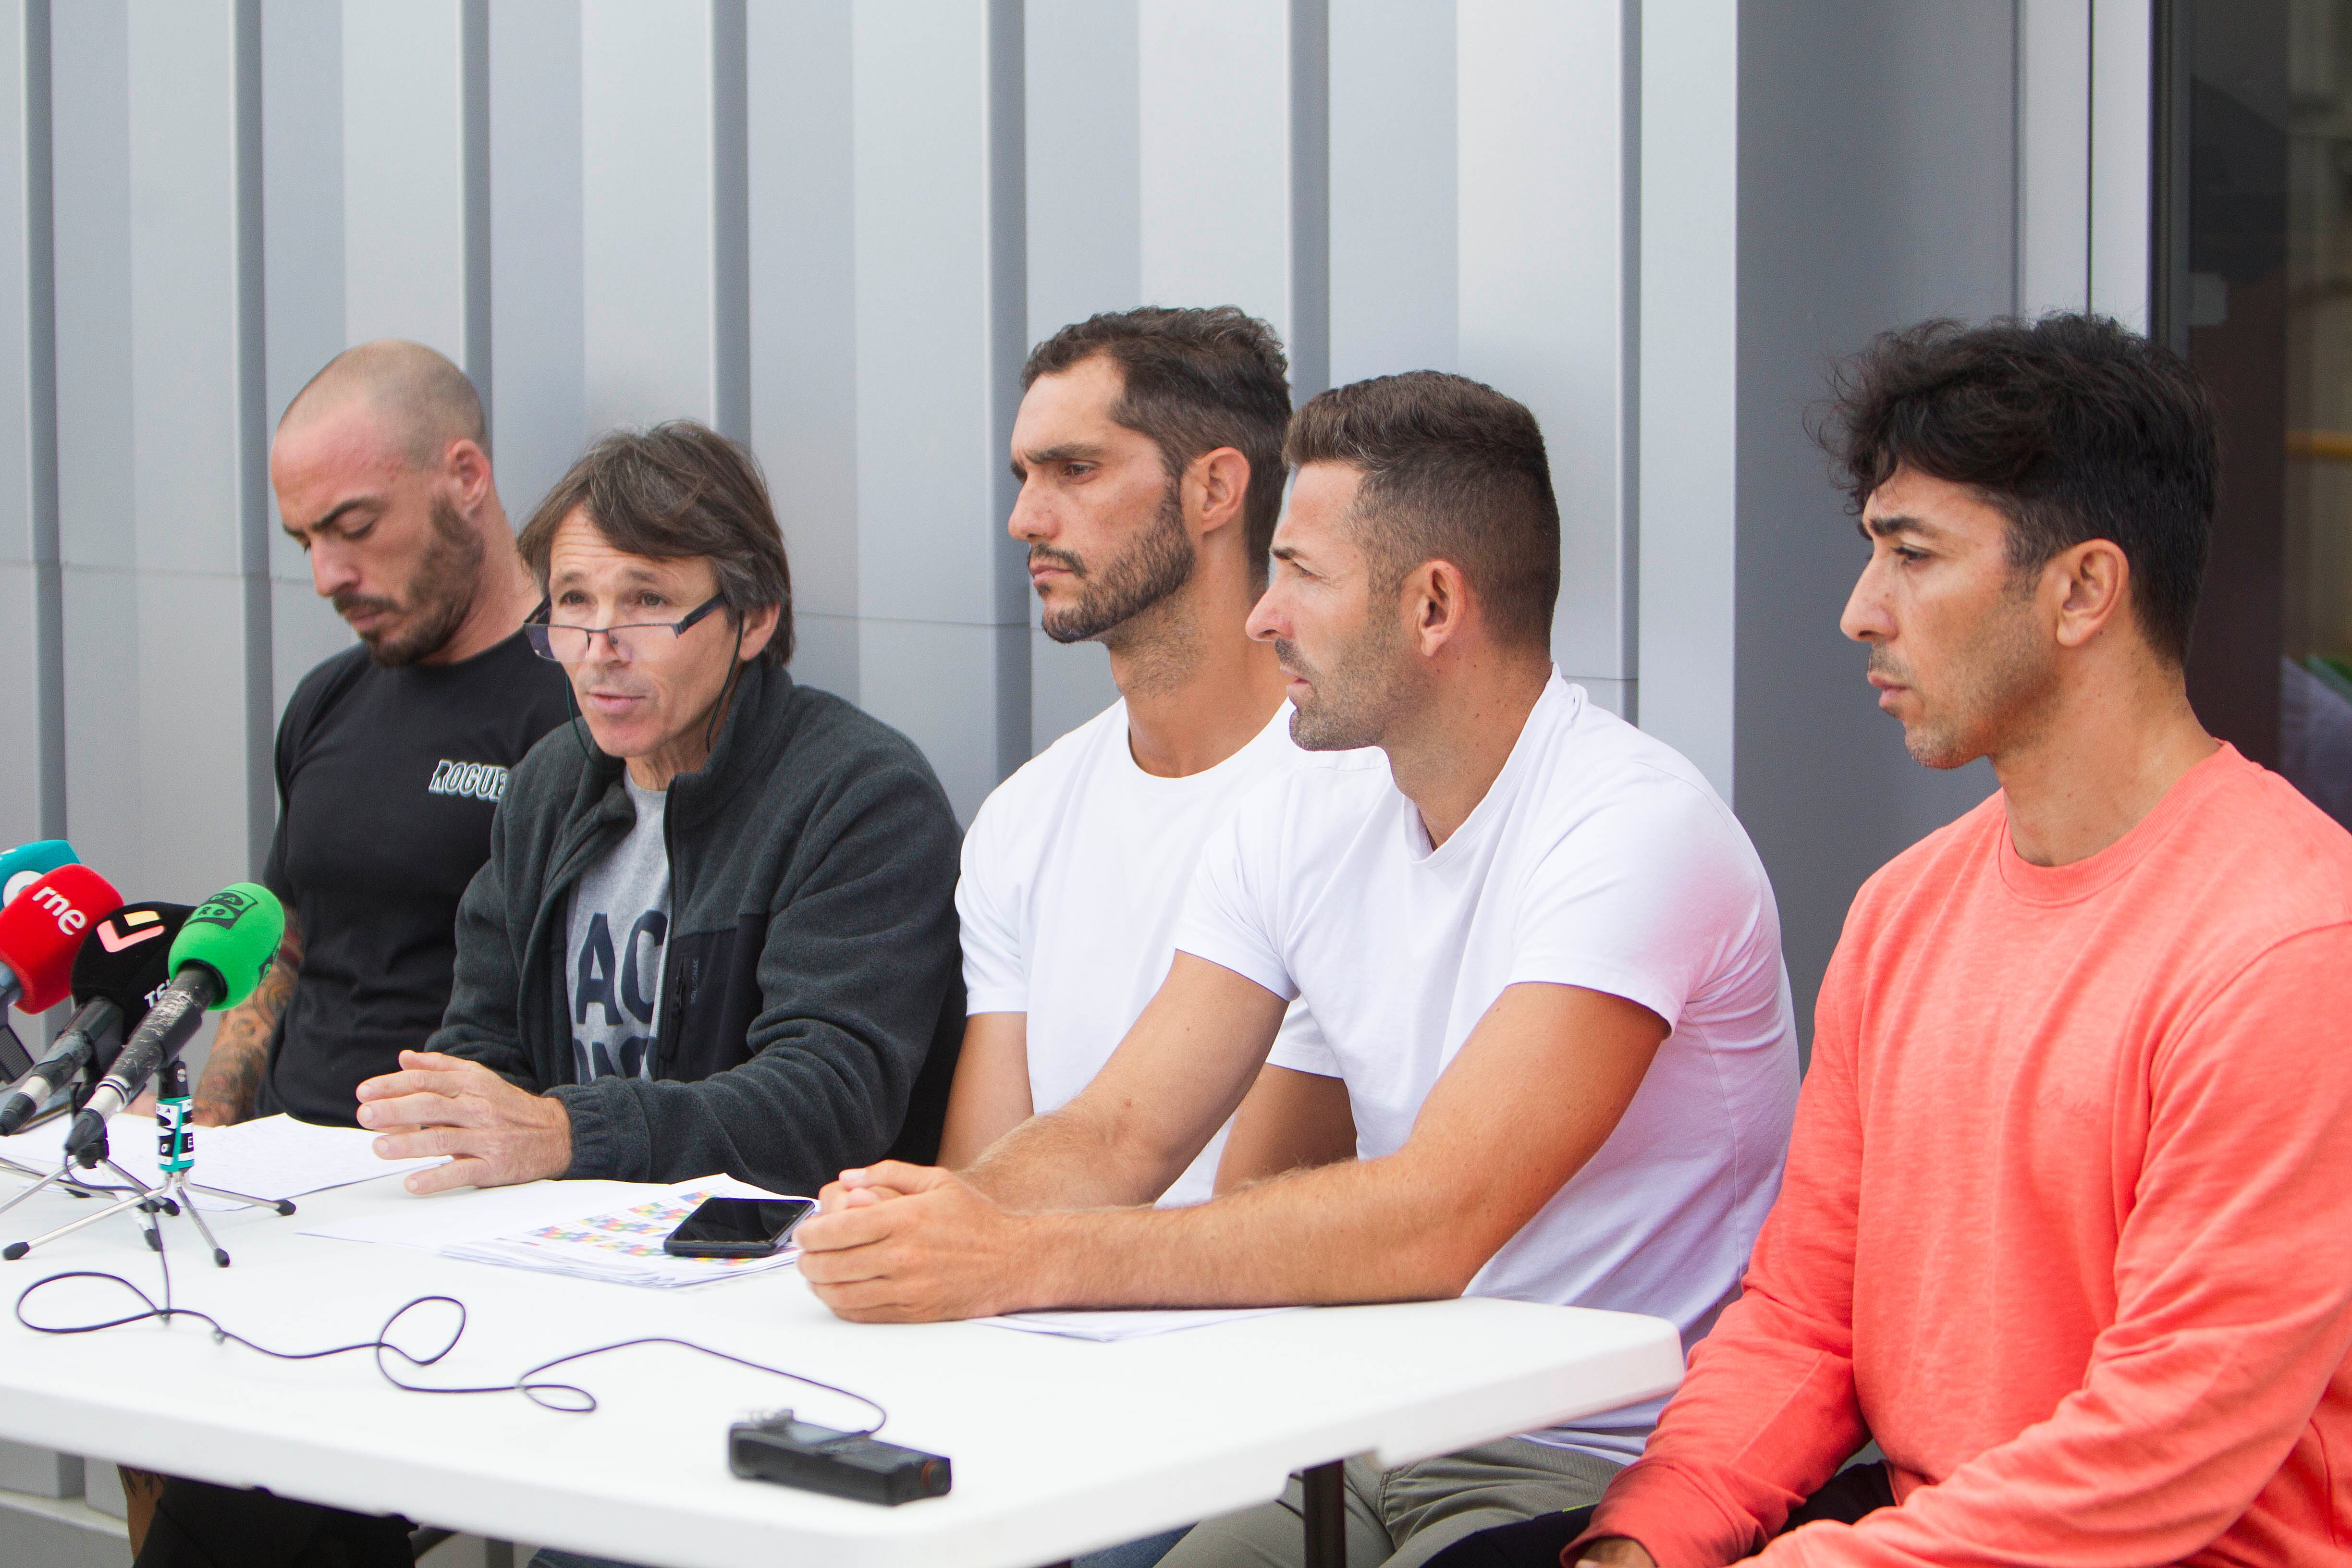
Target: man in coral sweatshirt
(2067, 1220)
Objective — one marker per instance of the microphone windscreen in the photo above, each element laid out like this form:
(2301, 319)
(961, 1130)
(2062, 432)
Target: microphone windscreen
(43, 928)
(235, 933)
(28, 863)
(128, 955)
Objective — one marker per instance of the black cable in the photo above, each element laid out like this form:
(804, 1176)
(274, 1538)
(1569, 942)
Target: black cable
(568, 1398)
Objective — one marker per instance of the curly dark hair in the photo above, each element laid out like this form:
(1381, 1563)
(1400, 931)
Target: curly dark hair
(675, 490)
(2073, 426)
(1194, 380)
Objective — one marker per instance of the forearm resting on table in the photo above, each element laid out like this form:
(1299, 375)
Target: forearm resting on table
(1413, 1225)
(1357, 1232)
(1067, 1159)
(240, 1052)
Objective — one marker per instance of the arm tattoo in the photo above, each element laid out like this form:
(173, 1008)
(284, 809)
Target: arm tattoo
(241, 1045)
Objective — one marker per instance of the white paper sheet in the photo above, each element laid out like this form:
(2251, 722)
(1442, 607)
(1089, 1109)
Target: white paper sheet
(622, 1245)
(607, 1231)
(273, 1157)
(436, 1219)
(1112, 1326)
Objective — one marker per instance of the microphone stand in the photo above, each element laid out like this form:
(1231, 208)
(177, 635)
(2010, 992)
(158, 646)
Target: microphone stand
(177, 1156)
(64, 1103)
(63, 1177)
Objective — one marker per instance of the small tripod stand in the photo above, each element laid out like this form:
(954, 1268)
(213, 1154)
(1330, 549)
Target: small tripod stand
(177, 1156)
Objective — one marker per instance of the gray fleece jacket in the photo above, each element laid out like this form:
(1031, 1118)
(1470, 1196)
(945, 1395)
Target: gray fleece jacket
(812, 998)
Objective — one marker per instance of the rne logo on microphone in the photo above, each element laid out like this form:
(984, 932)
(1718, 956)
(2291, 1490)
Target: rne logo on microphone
(475, 781)
(69, 919)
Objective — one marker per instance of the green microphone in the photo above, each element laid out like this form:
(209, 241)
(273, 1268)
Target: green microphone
(221, 954)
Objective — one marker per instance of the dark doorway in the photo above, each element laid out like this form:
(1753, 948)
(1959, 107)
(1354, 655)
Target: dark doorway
(2253, 252)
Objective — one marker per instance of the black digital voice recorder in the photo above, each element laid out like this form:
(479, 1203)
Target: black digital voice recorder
(845, 1464)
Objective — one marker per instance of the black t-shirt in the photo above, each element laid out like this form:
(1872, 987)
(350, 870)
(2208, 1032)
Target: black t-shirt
(387, 780)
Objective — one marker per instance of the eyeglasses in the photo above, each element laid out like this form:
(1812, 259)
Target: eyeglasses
(640, 639)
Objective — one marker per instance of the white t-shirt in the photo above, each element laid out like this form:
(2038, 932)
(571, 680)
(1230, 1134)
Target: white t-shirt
(1074, 873)
(1599, 859)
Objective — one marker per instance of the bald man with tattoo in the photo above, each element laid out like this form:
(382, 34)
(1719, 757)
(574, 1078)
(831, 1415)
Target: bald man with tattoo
(392, 754)
(392, 758)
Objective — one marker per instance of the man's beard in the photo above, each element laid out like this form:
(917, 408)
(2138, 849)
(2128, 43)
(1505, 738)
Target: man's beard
(1153, 570)
(439, 595)
(1356, 699)
(2001, 684)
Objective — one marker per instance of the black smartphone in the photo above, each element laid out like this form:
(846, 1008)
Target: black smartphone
(737, 1228)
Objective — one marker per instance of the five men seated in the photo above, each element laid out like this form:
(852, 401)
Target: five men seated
(1352, 869)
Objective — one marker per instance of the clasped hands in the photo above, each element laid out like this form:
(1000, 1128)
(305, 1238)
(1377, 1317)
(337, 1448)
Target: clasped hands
(912, 1244)
(495, 1134)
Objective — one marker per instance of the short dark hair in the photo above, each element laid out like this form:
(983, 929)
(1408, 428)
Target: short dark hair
(679, 490)
(2073, 425)
(1452, 471)
(1194, 380)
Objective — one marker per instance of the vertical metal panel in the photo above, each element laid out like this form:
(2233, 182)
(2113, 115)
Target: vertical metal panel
(1008, 347)
(474, 163)
(1544, 285)
(404, 185)
(653, 274)
(32, 712)
(1214, 138)
(302, 214)
(100, 632)
(731, 299)
(1689, 409)
(91, 141)
(539, 412)
(158, 158)
(1310, 197)
(1085, 222)
(940, 299)
(1395, 250)
(1085, 211)
(252, 448)
(2054, 155)
(803, 318)
(2122, 136)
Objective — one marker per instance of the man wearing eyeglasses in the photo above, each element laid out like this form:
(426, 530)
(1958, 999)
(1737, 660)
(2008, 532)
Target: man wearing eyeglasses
(392, 754)
(717, 929)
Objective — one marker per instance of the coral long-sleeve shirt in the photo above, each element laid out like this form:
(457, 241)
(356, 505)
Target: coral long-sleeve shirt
(2067, 1222)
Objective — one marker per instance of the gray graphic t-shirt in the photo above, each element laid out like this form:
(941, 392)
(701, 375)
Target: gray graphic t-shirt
(612, 971)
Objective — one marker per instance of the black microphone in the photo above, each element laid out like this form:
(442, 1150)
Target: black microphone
(98, 1020)
(224, 949)
(125, 959)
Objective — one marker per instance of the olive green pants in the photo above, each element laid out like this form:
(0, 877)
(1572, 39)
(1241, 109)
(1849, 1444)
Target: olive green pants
(1405, 1516)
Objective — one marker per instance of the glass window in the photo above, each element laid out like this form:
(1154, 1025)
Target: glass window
(2254, 284)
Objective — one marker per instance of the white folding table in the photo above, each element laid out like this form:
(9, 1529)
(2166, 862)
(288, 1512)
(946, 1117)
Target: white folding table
(1059, 1446)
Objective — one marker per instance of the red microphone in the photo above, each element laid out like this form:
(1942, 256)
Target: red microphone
(42, 929)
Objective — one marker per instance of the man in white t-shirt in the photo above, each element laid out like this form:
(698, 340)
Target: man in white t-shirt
(1149, 448)
(1544, 955)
